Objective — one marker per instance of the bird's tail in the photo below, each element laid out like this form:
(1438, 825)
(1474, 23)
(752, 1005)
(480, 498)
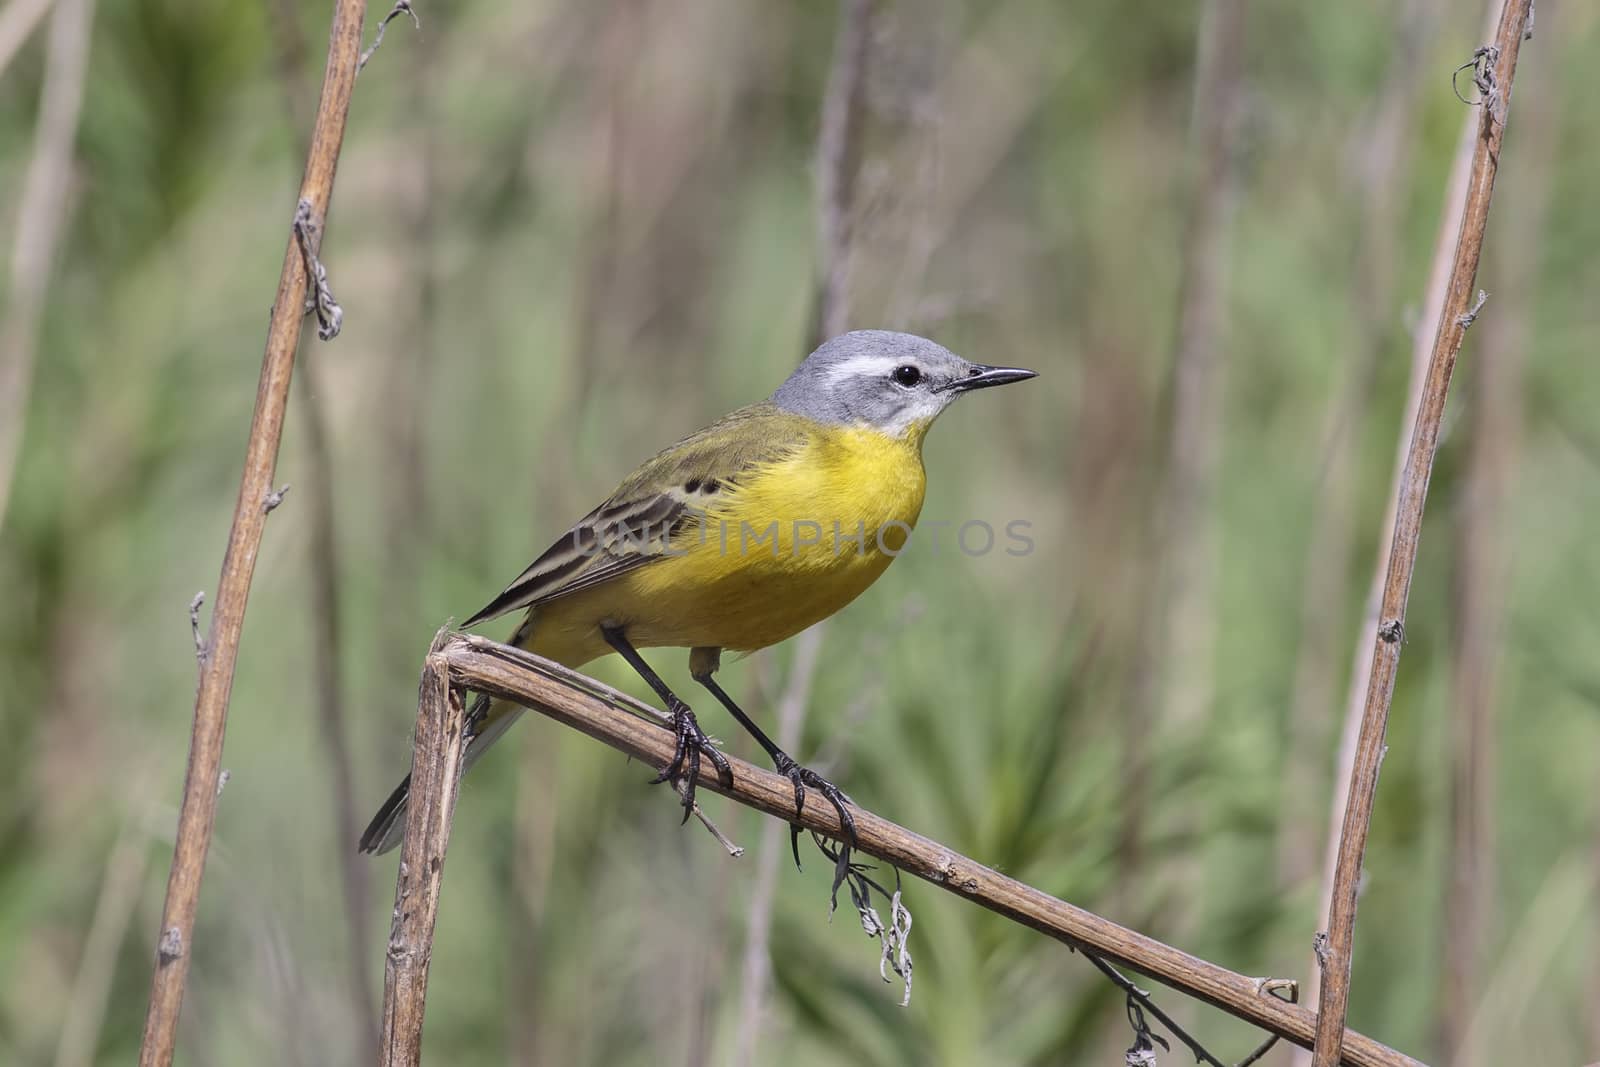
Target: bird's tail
(487, 720)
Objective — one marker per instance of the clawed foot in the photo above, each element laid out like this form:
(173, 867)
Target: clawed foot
(691, 742)
(802, 777)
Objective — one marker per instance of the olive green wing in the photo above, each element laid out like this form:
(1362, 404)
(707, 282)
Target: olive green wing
(665, 497)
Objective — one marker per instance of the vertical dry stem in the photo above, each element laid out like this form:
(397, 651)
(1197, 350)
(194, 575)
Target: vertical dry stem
(1454, 320)
(198, 811)
(435, 780)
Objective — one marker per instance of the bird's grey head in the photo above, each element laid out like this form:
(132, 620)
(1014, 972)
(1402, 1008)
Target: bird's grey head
(893, 382)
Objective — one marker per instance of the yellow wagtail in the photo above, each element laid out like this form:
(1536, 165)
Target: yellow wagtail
(737, 537)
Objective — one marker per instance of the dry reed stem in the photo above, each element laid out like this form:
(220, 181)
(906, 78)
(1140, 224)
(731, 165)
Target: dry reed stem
(435, 781)
(199, 807)
(637, 730)
(1495, 71)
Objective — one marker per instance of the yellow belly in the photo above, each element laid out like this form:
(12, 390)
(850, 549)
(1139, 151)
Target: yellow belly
(793, 544)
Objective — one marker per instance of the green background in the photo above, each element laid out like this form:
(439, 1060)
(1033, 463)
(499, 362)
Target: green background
(566, 233)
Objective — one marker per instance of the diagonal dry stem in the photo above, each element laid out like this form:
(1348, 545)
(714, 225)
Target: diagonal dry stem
(636, 729)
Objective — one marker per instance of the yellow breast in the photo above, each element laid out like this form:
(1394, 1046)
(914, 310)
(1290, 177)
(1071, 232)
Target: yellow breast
(793, 543)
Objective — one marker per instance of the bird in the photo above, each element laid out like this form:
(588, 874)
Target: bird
(735, 538)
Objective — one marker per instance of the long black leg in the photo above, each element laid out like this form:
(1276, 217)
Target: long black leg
(798, 775)
(691, 740)
(744, 720)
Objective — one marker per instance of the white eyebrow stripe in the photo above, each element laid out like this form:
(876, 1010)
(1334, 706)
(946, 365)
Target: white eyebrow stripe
(862, 366)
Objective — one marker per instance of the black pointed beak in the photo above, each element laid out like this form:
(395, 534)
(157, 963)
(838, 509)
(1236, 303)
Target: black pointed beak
(981, 376)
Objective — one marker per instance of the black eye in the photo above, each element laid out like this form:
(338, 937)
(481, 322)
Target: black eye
(907, 375)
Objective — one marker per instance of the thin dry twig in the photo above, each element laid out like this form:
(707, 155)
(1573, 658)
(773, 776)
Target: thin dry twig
(198, 810)
(400, 7)
(435, 779)
(1139, 1001)
(1469, 316)
(194, 627)
(41, 215)
(734, 850)
(639, 731)
(892, 937)
(1335, 989)
(330, 316)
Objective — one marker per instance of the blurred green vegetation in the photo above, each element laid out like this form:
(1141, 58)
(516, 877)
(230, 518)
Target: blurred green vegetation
(565, 234)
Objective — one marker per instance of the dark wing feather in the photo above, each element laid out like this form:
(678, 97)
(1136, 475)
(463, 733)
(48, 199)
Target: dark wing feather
(660, 500)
